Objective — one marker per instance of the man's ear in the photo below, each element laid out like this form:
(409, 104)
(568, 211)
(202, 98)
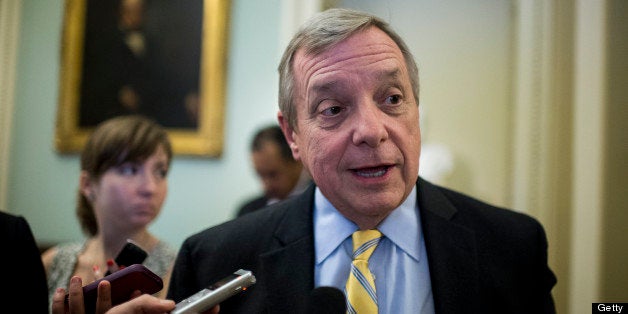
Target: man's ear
(290, 134)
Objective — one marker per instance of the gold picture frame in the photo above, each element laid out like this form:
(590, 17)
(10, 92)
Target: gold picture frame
(203, 138)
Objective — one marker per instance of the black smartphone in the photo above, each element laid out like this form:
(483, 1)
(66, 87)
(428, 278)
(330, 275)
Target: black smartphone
(216, 293)
(123, 283)
(129, 255)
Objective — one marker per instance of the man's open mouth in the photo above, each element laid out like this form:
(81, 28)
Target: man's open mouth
(371, 172)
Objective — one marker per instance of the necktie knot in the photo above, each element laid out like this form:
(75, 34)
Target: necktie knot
(364, 243)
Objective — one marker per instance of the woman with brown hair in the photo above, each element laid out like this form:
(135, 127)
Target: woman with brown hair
(122, 187)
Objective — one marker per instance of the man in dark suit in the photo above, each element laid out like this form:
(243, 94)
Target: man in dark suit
(280, 174)
(24, 277)
(349, 110)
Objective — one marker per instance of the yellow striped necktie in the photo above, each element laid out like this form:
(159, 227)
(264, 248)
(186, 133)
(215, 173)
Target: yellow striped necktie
(360, 288)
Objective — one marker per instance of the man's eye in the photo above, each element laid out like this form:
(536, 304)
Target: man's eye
(393, 99)
(332, 111)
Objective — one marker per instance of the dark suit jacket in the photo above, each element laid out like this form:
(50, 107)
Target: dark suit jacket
(253, 205)
(482, 259)
(23, 275)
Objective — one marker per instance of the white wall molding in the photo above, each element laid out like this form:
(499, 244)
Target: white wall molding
(588, 147)
(9, 35)
(293, 14)
(528, 103)
(542, 138)
(559, 119)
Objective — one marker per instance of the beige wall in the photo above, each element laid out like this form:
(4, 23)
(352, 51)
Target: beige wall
(464, 50)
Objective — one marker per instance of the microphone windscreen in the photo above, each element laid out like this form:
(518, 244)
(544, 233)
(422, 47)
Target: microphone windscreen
(327, 300)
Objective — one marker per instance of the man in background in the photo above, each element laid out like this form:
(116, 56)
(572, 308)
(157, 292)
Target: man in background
(281, 175)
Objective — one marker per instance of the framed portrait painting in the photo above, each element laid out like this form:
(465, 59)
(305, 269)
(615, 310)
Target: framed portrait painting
(160, 58)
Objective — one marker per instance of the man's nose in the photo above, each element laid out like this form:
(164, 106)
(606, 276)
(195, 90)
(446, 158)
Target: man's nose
(369, 124)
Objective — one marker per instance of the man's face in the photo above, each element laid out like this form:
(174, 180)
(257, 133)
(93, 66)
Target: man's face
(278, 176)
(357, 129)
(132, 14)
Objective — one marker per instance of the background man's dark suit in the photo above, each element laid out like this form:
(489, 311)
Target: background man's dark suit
(482, 259)
(23, 272)
(253, 205)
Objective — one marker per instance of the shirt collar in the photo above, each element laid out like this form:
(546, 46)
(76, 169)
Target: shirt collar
(402, 226)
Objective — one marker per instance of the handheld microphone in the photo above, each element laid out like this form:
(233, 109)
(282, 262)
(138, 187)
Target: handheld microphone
(327, 300)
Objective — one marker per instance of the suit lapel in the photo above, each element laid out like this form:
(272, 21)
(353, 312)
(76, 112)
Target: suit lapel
(451, 251)
(291, 263)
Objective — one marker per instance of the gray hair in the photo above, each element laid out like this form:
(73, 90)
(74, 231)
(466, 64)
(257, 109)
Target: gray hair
(323, 31)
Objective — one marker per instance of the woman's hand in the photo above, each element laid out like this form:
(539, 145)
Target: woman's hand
(140, 303)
